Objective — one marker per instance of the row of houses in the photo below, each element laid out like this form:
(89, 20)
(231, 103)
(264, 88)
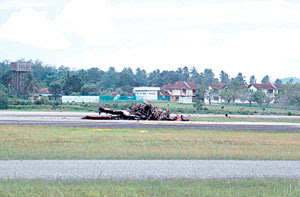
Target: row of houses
(269, 89)
(184, 92)
(181, 91)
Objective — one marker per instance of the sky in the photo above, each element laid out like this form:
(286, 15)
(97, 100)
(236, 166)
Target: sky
(255, 37)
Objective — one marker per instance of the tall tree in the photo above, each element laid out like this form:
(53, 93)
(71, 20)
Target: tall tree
(224, 77)
(72, 84)
(239, 80)
(211, 93)
(252, 80)
(209, 77)
(185, 74)
(195, 76)
(259, 97)
(278, 81)
(266, 80)
(141, 77)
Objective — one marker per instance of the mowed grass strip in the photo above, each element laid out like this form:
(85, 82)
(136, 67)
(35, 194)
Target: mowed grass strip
(36, 142)
(176, 187)
(246, 119)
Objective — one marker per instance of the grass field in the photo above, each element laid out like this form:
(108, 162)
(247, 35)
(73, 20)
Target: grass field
(174, 107)
(25, 142)
(235, 119)
(230, 109)
(176, 187)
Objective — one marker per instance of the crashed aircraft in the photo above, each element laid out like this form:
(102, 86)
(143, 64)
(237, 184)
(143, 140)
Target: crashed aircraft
(142, 111)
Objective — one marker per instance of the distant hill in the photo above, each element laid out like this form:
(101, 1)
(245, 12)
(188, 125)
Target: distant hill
(286, 80)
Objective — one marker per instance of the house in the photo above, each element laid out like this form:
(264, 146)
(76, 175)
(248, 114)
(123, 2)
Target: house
(179, 90)
(268, 89)
(44, 91)
(146, 93)
(212, 95)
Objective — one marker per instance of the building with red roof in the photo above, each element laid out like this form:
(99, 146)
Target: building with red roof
(179, 90)
(44, 91)
(269, 89)
(216, 85)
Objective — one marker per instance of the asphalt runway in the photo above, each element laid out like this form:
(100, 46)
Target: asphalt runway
(147, 169)
(69, 119)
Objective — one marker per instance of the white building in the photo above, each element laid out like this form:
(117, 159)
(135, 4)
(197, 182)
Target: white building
(80, 99)
(146, 93)
(180, 89)
(269, 89)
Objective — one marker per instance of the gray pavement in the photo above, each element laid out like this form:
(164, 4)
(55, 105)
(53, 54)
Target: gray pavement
(71, 119)
(145, 169)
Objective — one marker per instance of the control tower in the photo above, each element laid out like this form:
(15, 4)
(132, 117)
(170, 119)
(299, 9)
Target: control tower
(19, 74)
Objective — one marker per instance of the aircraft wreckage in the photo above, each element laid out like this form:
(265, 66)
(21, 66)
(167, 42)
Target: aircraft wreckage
(142, 111)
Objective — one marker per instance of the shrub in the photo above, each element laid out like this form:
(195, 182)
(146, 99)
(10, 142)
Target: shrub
(3, 101)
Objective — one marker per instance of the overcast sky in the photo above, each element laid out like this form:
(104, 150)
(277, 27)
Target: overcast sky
(253, 37)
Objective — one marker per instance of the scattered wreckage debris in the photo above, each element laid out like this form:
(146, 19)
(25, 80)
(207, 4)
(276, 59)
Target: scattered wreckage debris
(142, 111)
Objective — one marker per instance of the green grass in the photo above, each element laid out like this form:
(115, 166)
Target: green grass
(246, 119)
(174, 107)
(172, 187)
(33, 142)
(64, 107)
(230, 109)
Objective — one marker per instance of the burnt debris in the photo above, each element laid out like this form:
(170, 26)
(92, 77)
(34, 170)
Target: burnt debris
(142, 111)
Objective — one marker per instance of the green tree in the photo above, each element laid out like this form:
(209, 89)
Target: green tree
(252, 79)
(224, 77)
(278, 81)
(72, 84)
(89, 89)
(195, 76)
(259, 97)
(211, 93)
(238, 80)
(296, 101)
(266, 80)
(287, 94)
(247, 95)
(209, 77)
(56, 88)
(227, 95)
(200, 93)
(3, 100)
(198, 105)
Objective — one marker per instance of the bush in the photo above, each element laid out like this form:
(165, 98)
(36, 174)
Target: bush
(42, 100)
(3, 101)
(198, 105)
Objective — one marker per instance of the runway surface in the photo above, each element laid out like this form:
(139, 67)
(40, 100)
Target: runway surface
(145, 169)
(69, 119)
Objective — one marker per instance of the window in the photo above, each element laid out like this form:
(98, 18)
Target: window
(216, 98)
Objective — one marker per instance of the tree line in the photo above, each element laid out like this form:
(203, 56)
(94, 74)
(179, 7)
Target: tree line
(94, 81)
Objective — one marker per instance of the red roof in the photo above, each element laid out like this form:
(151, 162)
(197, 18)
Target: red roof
(45, 90)
(217, 85)
(181, 85)
(278, 85)
(264, 86)
(165, 93)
